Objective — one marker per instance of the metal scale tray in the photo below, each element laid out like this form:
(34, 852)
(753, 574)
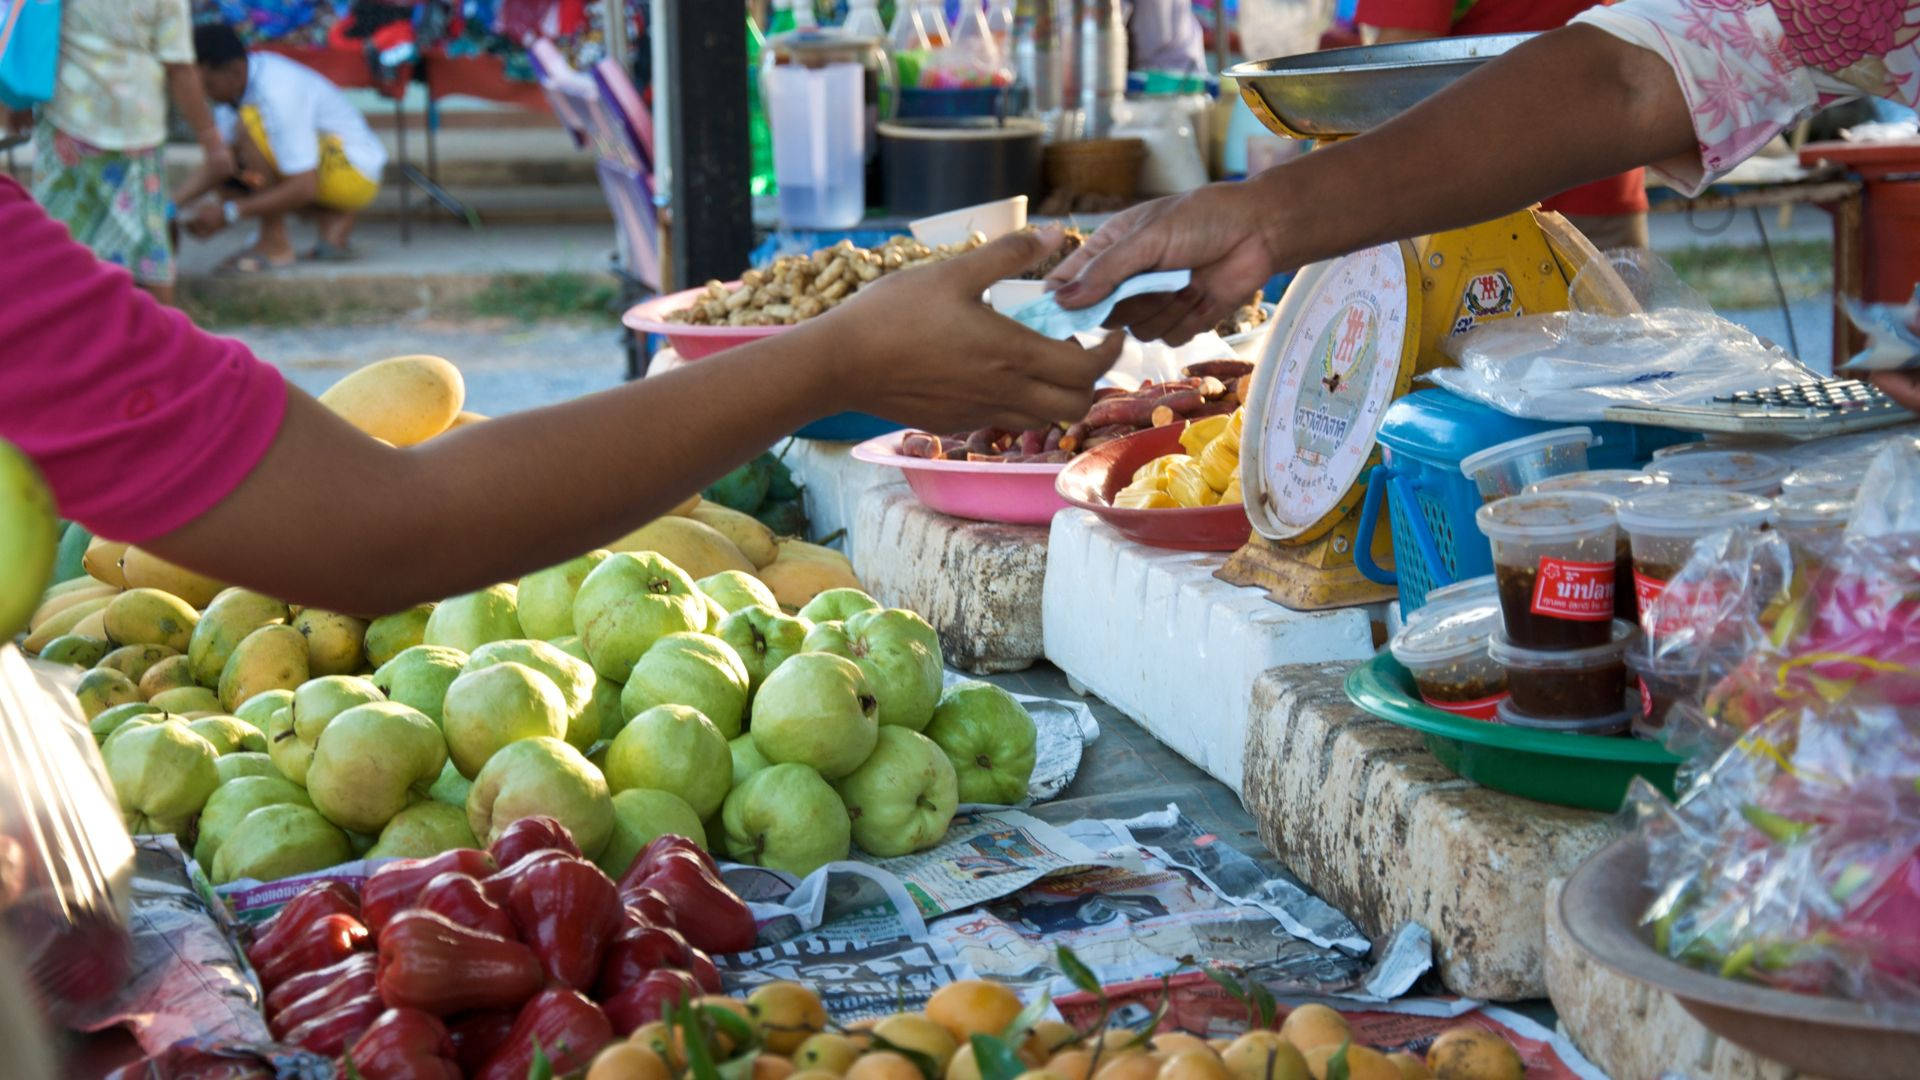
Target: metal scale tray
(1347, 91)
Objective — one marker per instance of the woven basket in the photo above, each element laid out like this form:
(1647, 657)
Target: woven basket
(1096, 167)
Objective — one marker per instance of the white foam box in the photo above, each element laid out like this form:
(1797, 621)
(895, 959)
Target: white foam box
(1155, 634)
(835, 483)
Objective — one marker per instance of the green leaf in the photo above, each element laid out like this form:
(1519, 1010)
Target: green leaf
(1337, 1064)
(699, 1056)
(925, 1062)
(995, 1060)
(1226, 982)
(540, 1068)
(1266, 1010)
(1079, 974)
(352, 1072)
(1035, 1011)
(731, 1024)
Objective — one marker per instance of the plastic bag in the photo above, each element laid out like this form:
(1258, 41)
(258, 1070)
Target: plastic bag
(1794, 858)
(65, 858)
(1893, 334)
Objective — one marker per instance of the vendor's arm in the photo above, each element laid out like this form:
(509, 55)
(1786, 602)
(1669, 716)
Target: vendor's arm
(154, 432)
(1563, 109)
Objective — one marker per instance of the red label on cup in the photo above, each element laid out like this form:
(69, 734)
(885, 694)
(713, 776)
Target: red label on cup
(1646, 699)
(1648, 589)
(1576, 591)
(1483, 709)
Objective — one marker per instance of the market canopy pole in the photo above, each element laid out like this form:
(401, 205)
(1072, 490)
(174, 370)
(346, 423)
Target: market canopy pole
(700, 84)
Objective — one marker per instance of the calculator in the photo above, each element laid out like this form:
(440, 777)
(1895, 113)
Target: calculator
(1797, 410)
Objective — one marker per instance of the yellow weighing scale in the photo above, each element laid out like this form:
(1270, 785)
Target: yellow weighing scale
(1352, 333)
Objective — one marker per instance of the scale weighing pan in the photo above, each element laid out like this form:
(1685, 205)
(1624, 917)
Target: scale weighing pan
(1347, 91)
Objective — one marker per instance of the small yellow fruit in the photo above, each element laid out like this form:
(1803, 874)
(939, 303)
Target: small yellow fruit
(1049, 1037)
(798, 579)
(336, 644)
(655, 1037)
(693, 546)
(973, 1007)
(828, 1052)
(1202, 1064)
(65, 621)
(1410, 1066)
(912, 1031)
(1472, 1053)
(404, 399)
(54, 603)
(963, 1066)
(1314, 1025)
(1263, 1055)
(754, 540)
(1173, 1042)
(150, 617)
(1132, 1065)
(771, 1067)
(627, 1061)
(1075, 1064)
(884, 1065)
(1363, 1063)
(722, 1042)
(786, 1014)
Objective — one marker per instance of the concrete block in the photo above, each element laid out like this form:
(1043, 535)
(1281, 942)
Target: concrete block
(1630, 1029)
(1154, 633)
(1360, 811)
(978, 583)
(835, 483)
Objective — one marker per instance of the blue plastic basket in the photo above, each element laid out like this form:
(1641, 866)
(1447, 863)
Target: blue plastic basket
(1430, 502)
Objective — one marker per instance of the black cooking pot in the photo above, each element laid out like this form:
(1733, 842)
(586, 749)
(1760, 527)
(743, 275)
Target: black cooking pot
(937, 164)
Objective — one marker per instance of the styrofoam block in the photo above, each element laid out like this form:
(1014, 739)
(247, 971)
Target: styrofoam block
(1155, 634)
(834, 482)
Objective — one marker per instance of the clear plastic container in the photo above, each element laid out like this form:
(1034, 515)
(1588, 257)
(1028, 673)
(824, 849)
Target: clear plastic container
(1617, 724)
(819, 147)
(1576, 684)
(863, 19)
(1507, 468)
(1822, 483)
(1438, 599)
(1662, 526)
(1446, 651)
(1554, 560)
(1660, 685)
(1812, 525)
(1728, 470)
(1621, 485)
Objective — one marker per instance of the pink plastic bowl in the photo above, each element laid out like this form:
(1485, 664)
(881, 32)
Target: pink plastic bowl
(690, 341)
(979, 490)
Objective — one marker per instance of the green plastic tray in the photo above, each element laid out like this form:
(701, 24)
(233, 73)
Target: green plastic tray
(1589, 772)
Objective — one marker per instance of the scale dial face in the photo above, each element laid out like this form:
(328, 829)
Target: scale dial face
(1334, 362)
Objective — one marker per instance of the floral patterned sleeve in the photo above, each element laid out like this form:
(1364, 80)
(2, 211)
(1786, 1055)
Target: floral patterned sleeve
(1752, 68)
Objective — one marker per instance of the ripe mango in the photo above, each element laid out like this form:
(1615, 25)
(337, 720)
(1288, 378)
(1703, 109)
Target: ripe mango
(172, 673)
(150, 617)
(405, 400)
(271, 658)
(75, 650)
(231, 616)
(687, 508)
(798, 579)
(93, 626)
(699, 549)
(799, 549)
(336, 643)
(53, 604)
(134, 661)
(101, 689)
(65, 622)
(754, 540)
(144, 569)
(102, 561)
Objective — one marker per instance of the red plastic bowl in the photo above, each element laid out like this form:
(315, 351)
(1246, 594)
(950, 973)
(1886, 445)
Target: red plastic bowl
(691, 341)
(1007, 493)
(1091, 480)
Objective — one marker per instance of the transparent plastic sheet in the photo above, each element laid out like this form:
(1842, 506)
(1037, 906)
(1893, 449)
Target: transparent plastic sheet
(1571, 365)
(1793, 858)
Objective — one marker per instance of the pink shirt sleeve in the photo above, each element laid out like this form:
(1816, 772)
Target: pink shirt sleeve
(139, 420)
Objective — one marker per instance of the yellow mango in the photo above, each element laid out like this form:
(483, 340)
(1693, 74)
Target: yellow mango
(102, 561)
(798, 579)
(150, 617)
(405, 399)
(754, 540)
(336, 643)
(93, 626)
(699, 549)
(145, 570)
(1201, 432)
(54, 605)
(61, 588)
(64, 622)
(686, 509)
(800, 549)
(271, 658)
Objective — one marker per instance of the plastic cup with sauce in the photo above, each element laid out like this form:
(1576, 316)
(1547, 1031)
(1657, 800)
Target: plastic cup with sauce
(1621, 484)
(1813, 526)
(1554, 561)
(1661, 685)
(1446, 652)
(1566, 684)
(1617, 724)
(1821, 484)
(1507, 468)
(1662, 526)
(1728, 470)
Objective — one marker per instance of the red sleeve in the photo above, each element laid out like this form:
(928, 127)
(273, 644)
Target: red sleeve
(1430, 16)
(140, 421)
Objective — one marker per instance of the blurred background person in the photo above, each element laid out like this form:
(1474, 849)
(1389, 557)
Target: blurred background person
(98, 160)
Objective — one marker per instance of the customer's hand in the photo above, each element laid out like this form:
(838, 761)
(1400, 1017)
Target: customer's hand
(923, 348)
(216, 157)
(1215, 231)
(1901, 386)
(207, 218)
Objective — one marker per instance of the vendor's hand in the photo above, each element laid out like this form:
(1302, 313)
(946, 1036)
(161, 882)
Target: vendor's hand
(923, 348)
(207, 218)
(1215, 231)
(1901, 386)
